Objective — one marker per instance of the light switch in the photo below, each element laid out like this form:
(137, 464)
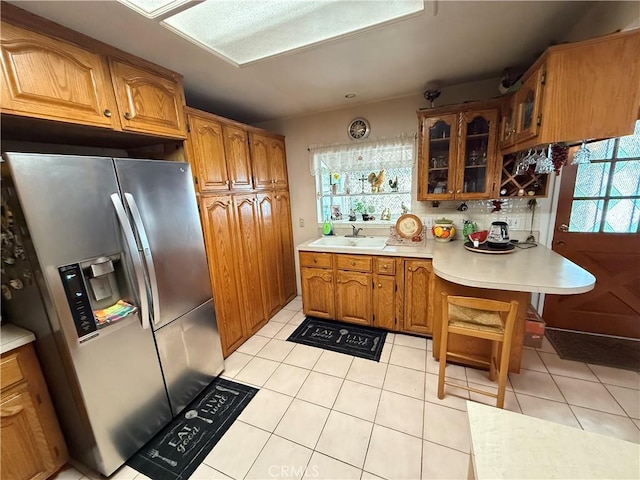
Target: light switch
(301, 222)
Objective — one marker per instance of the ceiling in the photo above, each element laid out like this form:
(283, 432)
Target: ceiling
(449, 43)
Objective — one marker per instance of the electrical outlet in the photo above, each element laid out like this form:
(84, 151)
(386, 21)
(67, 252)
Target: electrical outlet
(301, 222)
(427, 221)
(514, 223)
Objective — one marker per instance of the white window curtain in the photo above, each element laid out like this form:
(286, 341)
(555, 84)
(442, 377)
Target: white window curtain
(396, 152)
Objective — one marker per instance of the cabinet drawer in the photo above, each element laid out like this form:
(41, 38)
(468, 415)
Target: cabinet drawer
(385, 266)
(10, 372)
(357, 263)
(312, 259)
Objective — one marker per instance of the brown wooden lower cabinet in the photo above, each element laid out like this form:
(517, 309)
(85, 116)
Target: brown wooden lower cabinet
(354, 297)
(392, 293)
(218, 222)
(418, 276)
(251, 261)
(31, 442)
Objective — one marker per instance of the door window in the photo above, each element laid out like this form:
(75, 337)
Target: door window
(606, 197)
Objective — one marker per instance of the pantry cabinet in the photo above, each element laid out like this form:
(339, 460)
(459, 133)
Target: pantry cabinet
(278, 286)
(205, 149)
(225, 156)
(59, 79)
(236, 148)
(250, 252)
(31, 443)
(457, 152)
(268, 159)
(284, 246)
(219, 227)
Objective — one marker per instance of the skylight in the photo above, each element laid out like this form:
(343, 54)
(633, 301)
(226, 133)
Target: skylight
(247, 31)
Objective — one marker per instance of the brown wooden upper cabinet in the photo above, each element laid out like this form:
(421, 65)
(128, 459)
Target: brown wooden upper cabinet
(55, 79)
(147, 101)
(218, 152)
(236, 149)
(457, 156)
(576, 91)
(269, 162)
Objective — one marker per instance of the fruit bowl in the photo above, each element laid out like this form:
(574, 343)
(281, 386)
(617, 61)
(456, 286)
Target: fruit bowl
(443, 230)
(481, 236)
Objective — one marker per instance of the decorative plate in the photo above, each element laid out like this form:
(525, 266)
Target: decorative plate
(408, 225)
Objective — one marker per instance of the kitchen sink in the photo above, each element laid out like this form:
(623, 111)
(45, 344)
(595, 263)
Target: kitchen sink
(372, 243)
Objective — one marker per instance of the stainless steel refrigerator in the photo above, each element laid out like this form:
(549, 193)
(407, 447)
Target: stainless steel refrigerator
(97, 231)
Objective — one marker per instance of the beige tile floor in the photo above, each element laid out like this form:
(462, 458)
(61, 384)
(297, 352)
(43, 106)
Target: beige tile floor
(325, 415)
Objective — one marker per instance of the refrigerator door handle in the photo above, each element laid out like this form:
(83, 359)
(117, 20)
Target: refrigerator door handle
(135, 258)
(148, 257)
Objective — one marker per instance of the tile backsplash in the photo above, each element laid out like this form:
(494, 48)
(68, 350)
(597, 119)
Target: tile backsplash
(515, 211)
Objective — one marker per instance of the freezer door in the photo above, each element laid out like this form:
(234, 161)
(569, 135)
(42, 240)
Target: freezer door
(190, 354)
(118, 388)
(163, 194)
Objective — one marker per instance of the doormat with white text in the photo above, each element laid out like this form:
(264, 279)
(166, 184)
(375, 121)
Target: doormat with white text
(179, 448)
(364, 342)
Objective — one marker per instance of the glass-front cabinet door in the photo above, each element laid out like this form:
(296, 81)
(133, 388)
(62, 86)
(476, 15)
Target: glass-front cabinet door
(436, 171)
(476, 157)
(528, 105)
(508, 124)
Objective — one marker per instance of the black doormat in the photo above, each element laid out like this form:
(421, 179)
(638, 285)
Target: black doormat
(364, 342)
(597, 349)
(179, 448)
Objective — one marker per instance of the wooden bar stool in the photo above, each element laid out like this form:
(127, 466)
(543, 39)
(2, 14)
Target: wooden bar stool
(479, 318)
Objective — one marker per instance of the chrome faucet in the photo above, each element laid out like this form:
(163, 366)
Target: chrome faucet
(356, 231)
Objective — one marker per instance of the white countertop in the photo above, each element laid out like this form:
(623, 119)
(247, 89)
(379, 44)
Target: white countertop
(536, 269)
(510, 445)
(12, 337)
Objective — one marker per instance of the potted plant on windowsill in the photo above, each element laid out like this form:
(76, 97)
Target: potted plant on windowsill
(362, 209)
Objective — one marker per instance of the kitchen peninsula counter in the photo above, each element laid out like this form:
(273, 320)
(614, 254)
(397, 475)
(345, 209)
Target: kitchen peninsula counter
(534, 270)
(503, 277)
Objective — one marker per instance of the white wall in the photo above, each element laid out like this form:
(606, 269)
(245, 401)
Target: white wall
(395, 116)
(604, 18)
(387, 118)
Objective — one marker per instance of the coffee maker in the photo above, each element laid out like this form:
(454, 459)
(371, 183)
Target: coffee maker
(498, 235)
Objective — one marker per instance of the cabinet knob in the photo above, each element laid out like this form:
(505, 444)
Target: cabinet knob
(353, 264)
(107, 113)
(450, 191)
(458, 191)
(226, 182)
(379, 285)
(315, 260)
(560, 243)
(233, 182)
(278, 197)
(385, 266)
(127, 115)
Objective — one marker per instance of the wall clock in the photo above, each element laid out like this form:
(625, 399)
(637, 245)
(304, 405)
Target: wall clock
(358, 129)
